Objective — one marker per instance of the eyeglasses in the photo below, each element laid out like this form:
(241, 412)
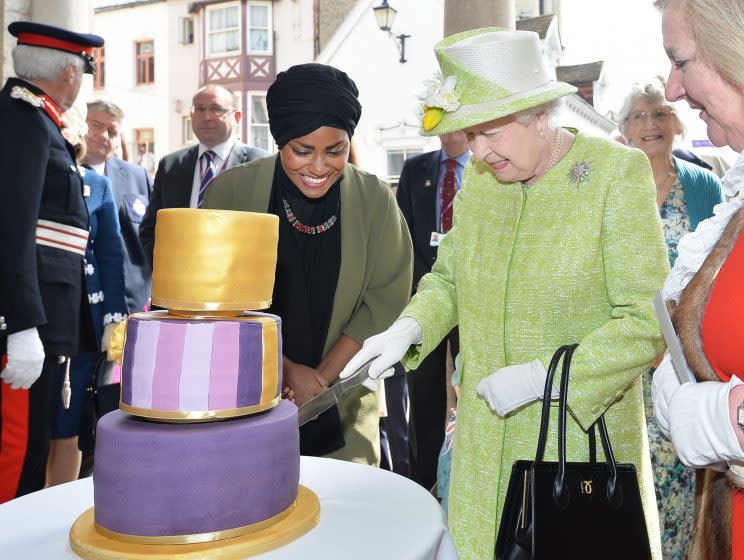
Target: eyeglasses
(658, 115)
(216, 110)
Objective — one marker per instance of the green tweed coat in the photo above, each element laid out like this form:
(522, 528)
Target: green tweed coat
(374, 281)
(575, 257)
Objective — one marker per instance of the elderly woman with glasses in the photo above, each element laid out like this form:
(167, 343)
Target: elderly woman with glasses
(686, 195)
(556, 240)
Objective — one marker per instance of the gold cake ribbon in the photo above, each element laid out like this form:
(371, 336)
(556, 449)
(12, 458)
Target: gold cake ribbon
(198, 537)
(193, 416)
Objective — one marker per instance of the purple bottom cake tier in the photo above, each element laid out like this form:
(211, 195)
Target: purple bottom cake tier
(155, 479)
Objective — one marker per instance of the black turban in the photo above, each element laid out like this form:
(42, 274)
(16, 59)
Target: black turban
(309, 96)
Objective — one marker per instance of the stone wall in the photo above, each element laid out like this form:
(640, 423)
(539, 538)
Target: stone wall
(331, 16)
(10, 11)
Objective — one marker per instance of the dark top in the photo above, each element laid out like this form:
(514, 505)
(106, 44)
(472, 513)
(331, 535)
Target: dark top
(307, 271)
(40, 285)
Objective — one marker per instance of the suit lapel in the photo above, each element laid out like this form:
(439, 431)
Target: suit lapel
(237, 155)
(112, 169)
(183, 179)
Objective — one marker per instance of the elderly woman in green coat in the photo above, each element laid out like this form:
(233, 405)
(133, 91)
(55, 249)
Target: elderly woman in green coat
(344, 262)
(556, 240)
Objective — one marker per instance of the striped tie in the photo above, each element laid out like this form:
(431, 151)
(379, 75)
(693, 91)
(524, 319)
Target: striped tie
(206, 174)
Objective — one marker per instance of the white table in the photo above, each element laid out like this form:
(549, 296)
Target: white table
(365, 514)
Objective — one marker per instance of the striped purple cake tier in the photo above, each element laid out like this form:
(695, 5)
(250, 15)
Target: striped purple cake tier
(191, 370)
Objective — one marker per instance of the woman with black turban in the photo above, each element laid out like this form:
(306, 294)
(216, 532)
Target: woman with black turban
(345, 262)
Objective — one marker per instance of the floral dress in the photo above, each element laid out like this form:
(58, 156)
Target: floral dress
(674, 482)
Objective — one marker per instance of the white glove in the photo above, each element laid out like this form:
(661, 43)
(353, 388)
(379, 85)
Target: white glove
(700, 426)
(389, 347)
(108, 331)
(25, 359)
(514, 386)
(665, 384)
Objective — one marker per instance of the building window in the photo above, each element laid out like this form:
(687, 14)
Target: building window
(395, 159)
(144, 141)
(187, 134)
(99, 79)
(259, 28)
(145, 51)
(258, 126)
(223, 30)
(185, 31)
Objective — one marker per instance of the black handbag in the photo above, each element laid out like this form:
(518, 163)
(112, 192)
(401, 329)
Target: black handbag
(571, 510)
(99, 400)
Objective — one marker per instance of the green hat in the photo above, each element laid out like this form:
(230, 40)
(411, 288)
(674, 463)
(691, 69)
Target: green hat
(487, 74)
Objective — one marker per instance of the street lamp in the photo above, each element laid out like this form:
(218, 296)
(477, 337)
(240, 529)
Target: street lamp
(385, 15)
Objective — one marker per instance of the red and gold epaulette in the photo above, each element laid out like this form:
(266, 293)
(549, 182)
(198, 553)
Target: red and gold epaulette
(51, 109)
(41, 101)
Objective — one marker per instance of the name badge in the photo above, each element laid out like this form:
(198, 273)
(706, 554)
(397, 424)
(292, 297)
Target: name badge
(436, 238)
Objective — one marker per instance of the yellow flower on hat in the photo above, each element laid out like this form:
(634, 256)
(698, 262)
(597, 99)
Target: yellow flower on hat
(116, 346)
(431, 117)
(440, 98)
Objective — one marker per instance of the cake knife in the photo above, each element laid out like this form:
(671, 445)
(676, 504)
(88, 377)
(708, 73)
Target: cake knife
(332, 395)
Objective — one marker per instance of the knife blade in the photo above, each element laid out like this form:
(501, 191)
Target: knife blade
(332, 395)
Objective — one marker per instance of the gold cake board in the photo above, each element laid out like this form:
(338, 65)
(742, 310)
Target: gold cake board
(89, 544)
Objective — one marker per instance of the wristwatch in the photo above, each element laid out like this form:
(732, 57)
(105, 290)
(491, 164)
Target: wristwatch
(740, 416)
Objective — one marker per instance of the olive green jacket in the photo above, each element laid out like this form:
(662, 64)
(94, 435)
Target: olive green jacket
(374, 280)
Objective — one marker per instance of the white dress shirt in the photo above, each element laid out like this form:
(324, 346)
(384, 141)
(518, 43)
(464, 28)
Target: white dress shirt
(222, 152)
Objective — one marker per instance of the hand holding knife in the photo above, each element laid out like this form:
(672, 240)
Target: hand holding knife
(332, 395)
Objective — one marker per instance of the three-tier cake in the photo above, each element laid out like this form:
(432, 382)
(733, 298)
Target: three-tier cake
(203, 448)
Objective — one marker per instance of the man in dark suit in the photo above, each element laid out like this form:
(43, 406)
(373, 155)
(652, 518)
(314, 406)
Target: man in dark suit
(183, 176)
(426, 190)
(132, 188)
(44, 313)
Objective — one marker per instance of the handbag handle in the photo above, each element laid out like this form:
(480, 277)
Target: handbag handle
(559, 487)
(547, 394)
(93, 378)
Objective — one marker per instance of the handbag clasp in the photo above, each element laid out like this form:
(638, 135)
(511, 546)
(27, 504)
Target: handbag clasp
(586, 487)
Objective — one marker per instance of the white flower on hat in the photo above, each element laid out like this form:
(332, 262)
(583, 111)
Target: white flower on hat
(441, 93)
(440, 98)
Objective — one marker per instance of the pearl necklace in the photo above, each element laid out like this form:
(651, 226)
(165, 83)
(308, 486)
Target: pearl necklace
(555, 154)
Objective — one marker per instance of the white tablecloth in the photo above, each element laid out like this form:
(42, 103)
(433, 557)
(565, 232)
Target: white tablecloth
(365, 514)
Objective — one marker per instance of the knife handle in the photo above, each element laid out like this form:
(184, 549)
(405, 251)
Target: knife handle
(356, 378)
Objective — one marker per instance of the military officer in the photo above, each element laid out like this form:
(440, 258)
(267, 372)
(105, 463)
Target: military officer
(44, 317)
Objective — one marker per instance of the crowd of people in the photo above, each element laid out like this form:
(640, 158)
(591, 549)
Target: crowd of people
(517, 237)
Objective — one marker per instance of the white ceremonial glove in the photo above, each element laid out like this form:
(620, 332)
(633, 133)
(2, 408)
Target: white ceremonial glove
(700, 426)
(108, 332)
(25, 359)
(665, 383)
(389, 347)
(514, 386)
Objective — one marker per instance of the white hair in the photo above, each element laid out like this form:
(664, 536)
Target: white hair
(652, 92)
(550, 108)
(41, 64)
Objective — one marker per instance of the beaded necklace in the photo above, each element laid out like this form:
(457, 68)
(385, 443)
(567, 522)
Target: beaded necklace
(555, 154)
(309, 230)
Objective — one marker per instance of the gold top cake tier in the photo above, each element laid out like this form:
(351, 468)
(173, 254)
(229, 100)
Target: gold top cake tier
(208, 261)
